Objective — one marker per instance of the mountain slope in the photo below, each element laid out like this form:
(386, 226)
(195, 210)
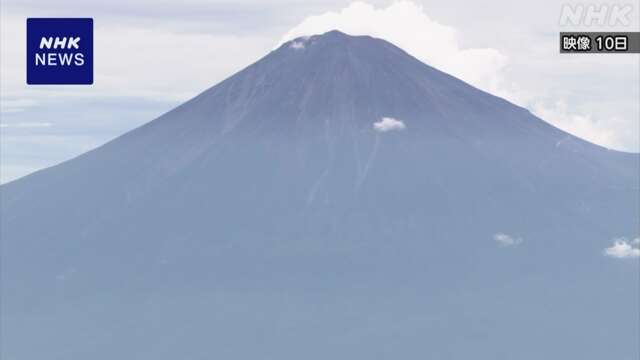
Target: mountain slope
(268, 216)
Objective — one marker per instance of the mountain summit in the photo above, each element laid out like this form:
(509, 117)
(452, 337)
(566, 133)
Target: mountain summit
(336, 199)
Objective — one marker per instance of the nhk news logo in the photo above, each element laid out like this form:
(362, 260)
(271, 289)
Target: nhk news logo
(59, 51)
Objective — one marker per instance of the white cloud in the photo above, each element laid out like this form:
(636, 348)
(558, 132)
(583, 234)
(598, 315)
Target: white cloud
(505, 240)
(581, 125)
(407, 25)
(389, 124)
(298, 45)
(623, 249)
(25, 125)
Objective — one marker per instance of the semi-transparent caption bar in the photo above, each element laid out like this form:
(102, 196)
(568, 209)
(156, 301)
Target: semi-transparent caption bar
(600, 42)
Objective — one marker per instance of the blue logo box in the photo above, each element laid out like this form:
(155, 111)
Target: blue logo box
(59, 51)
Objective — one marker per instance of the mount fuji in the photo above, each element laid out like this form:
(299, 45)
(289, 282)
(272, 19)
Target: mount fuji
(337, 199)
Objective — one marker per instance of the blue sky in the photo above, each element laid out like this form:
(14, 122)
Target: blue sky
(153, 55)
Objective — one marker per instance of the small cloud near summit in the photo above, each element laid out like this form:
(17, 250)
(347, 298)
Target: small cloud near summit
(389, 124)
(298, 45)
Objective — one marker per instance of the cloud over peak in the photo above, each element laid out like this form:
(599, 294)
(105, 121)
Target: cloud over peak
(298, 45)
(408, 26)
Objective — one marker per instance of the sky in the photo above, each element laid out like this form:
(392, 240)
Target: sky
(150, 56)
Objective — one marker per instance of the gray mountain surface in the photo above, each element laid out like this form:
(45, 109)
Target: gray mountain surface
(269, 218)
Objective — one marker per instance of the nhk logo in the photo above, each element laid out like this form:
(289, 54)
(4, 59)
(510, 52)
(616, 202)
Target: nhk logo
(56, 58)
(59, 51)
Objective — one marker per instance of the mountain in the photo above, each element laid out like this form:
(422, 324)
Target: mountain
(336, 199)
